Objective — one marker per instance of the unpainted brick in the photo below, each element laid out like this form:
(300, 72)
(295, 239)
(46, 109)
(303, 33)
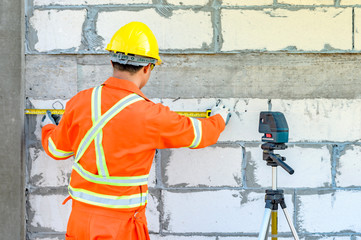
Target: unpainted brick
(348, 171)
(311, 163)
(57, 29)
(283, 29)
(227, 211)
(307, 2)
(339, 207)
(188, 2)
(47, 172)
(349, 2)
(88, 2)
(173, 29)
(210, 167)
(321, 119)
(246, 2)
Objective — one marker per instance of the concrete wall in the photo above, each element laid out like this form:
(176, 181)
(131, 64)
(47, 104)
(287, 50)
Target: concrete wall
(298, 57)
(11, 119)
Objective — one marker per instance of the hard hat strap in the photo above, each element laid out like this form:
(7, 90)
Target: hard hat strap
(134, 60)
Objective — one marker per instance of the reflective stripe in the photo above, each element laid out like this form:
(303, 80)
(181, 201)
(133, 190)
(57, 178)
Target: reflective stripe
(115, 181)
(96, 114)
(56, 152)
(109, 201)
(197, 127)
(104, 119)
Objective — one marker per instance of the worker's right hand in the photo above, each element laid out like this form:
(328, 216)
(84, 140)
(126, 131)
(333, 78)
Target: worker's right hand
(47, 119)
(223, 110)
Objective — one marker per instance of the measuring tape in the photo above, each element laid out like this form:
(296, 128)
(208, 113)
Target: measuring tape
(205, 114)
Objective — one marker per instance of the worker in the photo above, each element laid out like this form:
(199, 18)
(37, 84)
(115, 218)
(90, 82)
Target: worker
(113, 131)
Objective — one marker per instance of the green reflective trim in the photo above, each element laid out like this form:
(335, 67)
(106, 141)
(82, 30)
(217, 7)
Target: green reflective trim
(197, 128)
(57, 152)
(130, 201)
(96, 114)
(104, 119)
(114, 181)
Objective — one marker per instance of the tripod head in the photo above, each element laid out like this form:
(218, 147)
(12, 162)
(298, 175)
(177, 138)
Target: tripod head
(273, 159)
(275, 129)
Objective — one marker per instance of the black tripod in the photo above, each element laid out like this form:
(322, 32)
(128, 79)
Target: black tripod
(275, 196)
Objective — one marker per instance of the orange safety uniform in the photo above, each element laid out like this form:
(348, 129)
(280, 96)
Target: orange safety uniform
(113, 132)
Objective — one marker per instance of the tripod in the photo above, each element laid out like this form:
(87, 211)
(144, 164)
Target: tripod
(275, 196)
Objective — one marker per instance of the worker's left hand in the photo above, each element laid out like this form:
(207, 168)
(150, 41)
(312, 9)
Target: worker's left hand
(49, 119)
(223, 110)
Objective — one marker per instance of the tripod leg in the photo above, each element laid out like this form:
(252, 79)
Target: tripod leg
(274, 221)
(265, 224)
(293, 230)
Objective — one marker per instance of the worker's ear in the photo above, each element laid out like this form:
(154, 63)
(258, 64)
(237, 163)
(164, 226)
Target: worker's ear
(146, 68)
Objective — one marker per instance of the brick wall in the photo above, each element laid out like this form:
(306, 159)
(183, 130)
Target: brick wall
(299, 57)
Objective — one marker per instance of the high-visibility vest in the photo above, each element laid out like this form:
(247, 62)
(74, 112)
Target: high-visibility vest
(102, 179)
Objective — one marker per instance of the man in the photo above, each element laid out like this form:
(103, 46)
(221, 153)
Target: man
(113, 131)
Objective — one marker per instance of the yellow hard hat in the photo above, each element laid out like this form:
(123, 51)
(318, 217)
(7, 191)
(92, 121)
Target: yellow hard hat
(135, 38)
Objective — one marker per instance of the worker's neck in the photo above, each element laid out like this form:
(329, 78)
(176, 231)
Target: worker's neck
(127, 76)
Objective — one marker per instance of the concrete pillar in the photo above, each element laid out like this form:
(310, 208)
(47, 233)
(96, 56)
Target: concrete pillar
(11, 119)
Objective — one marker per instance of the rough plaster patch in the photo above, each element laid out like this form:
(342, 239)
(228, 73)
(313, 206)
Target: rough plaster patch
(217, 211)
(184, 29)
(321, 119)
(211, 166)
(152, 213)
(57, 29)
(312, 165)
(349, 170)
(88, 2)
(331, 212)
(49, 213)
(277, 29)
(52, 173)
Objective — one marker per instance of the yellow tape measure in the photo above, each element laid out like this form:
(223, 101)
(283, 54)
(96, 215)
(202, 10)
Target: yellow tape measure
(205, 114)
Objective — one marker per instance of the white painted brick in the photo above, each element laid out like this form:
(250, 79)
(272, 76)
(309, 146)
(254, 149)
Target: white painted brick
(58, 29)
(349, 2)
(357, 23)
(183, 29)
(330, 212)
(158, 237)
(152, 213)
(217, 211)
(246, 2)
(188, 2)
(349, 168)
(211, 166)
(321, 119)
(47, 172)
(272, 30)
(88, 2)
(307, 2)
(49, 212)
(312, 165)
